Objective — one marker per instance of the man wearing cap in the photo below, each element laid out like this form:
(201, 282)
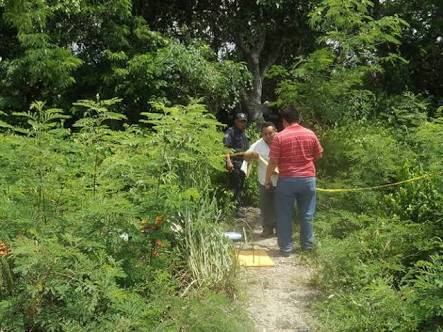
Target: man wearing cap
(294, 151)
(235, 139)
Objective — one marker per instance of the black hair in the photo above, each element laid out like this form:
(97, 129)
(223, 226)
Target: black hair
(268, 124)
(290, 114)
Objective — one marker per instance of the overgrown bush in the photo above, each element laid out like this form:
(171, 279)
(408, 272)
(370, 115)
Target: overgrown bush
(94, 216)
(378, 250)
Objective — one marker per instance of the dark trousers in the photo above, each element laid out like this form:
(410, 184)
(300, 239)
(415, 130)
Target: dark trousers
(237, 180)
(267, 209)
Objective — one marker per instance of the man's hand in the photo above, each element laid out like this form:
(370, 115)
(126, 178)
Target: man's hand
(268, 186)
(272, 165)
(229, 166)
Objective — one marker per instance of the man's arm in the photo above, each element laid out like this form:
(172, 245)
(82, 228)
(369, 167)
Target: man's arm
(229, 164)
(272, 164)
(227, 138)
(227, 141)
(251, 153)
(274, 155)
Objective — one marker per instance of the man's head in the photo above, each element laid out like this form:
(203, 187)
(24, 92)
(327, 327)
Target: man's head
(240, 121)
(268, 132)
(290, 116)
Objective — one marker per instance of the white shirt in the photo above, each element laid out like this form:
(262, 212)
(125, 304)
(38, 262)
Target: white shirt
(262, 148)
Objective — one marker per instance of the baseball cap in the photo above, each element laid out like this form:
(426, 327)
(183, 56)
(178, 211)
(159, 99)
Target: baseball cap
(241, 116)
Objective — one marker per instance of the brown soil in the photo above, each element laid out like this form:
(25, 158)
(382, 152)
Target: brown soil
(278, 297)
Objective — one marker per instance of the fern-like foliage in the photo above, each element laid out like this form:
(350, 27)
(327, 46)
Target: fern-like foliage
(6, 279)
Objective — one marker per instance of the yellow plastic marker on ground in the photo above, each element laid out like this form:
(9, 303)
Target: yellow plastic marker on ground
(254, 257)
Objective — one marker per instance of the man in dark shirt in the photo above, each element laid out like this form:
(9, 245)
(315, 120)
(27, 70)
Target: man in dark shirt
(235, 139)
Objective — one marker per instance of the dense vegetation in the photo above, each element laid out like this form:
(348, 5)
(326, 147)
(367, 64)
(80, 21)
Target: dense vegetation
(380, 252)
(108, 228)
(112, 182)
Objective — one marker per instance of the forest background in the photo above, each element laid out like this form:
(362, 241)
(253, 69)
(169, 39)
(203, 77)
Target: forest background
(112, 183)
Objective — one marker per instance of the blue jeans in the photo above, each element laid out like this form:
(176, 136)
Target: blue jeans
(290, 190)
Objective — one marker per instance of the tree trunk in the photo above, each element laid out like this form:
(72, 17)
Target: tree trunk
(252, 97)
(259, 58)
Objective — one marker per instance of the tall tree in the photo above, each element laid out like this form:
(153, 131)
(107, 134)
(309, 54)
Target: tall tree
(257, 32)
(64, 50)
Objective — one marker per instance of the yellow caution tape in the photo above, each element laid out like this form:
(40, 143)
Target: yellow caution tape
(338, 190)
(342, 190)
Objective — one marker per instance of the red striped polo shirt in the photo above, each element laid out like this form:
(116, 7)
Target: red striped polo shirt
(295, 149)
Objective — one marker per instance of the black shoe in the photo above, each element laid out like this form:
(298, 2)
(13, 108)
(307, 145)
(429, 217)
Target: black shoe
(285, 253)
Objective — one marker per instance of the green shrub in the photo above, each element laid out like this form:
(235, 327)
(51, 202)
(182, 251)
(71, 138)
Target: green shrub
(406, 111)
(378, 251)
(364, 155)
(212, 312)
(370, 242)
(426, 292)
(376, 307)
(418, 201)
(90, 219)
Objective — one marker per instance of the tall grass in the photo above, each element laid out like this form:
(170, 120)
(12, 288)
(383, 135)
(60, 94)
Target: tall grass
(209, 254)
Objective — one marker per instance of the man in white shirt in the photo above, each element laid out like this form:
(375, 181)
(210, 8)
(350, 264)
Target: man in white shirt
(260, 151)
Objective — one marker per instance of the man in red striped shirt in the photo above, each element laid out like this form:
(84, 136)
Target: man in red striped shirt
(294, 151)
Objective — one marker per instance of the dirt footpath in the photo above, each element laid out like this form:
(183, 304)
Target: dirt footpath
(278, 298)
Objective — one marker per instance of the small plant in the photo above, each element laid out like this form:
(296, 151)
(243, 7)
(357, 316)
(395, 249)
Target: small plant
(40, 120)
(95, 129)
